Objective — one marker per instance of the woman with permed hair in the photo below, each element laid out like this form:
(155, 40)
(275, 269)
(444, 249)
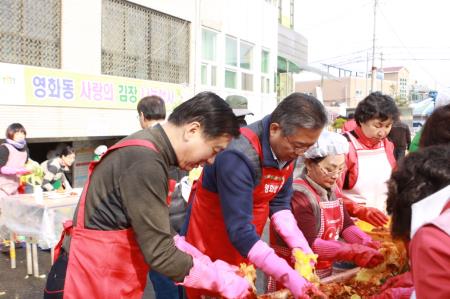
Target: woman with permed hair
(419, 202)
(370, 159)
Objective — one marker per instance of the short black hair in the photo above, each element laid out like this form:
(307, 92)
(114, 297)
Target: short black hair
(66, 150)
(299, 110)
(419, 175)
(211, 111)
(13, 129)
(152, 107)
(376, 105)
(241, 120)
(437, 128)
(316, 160)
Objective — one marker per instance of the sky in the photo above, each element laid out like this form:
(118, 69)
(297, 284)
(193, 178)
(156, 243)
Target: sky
(410, 33)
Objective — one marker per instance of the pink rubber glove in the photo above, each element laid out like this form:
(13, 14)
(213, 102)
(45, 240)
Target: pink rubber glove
(353, 234)
(14, 171)
(183, 245)
(286, 226)
(403, 280)
(395, 293)
(362, 255)
(211, 277)
(263, 257)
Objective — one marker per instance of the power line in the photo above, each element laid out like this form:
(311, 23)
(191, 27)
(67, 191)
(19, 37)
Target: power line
(372, 81)
(407, 49)
(415, 58)
(341, 56)
(342, 16)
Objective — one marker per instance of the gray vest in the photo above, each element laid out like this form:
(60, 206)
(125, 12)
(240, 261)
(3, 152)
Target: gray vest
(243, 145)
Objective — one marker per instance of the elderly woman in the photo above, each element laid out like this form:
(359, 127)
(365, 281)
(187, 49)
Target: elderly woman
(320, 214)
(419, 202)
(370, 159)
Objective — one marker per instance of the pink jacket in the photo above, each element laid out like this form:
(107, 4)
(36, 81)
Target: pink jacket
(10, 182)
(430, 258)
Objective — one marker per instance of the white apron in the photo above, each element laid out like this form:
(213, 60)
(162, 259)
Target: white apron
(374, 170)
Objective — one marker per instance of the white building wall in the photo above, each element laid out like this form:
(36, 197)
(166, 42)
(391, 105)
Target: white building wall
(253, 21)
(81, 36)
(59, 122)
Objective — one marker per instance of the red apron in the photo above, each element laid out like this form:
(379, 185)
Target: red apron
(331, 224)
(207, 230)
(104, 264)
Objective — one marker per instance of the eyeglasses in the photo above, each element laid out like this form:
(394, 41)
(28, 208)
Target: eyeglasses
(331, 173)
(298, 148)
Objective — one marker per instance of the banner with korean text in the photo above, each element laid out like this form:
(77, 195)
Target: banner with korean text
(26, 85)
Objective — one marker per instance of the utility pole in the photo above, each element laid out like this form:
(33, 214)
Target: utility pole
(367, 74)
(374, 69)
(381, 67)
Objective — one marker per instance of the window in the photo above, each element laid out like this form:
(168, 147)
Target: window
(240, 65)
(213, 75)
(208, 74)
(230, 51)
(265, 81)
(286, 13)
(246, 55)
(204, 73)
(264, 61)
(230, 79)
(247, 81)
(139, 42)
(208, 45)
(265, 84)
(30, 32)
(209, 57)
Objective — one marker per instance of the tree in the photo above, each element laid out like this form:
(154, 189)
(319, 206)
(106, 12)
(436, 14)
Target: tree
(401, 101)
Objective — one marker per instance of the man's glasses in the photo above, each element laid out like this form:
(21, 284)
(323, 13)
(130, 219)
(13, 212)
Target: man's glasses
(298, 148)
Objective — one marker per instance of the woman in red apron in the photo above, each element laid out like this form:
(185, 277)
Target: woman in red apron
(419, 202)
(320, 213)
(370, 159)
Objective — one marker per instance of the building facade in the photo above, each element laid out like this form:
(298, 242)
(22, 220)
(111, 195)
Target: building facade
(237, 51)
(73, 70)
(399, 76)
(292, 49)
(344, 91)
